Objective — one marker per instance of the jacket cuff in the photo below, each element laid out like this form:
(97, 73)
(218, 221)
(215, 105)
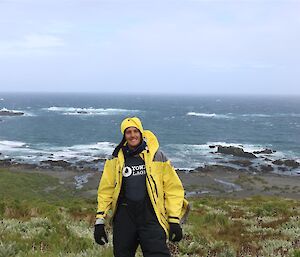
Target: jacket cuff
(99, 221)
(100, 215)
(173, 219)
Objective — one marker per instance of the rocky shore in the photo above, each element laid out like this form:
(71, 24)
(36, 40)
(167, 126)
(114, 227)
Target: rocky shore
(244, 174)
(55, 165)
(236, 159)
(257, 161)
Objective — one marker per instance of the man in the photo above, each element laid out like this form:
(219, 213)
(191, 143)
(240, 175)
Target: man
(145, 195)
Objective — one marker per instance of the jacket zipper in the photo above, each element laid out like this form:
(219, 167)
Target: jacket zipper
(116, 206)
(154, 185)
(163, 216)
(145, 159)
(151, 188)
(164, 220)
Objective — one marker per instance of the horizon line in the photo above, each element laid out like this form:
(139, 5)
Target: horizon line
(150, 93)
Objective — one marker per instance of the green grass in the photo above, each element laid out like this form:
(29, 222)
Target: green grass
(36, 221)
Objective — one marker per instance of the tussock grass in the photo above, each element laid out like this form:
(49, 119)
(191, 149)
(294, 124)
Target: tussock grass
(37, 222)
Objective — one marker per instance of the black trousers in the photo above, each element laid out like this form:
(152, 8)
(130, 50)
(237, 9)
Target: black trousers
(134, 224)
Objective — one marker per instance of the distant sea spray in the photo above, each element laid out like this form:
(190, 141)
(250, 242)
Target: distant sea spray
(210, 115)
(89, 111)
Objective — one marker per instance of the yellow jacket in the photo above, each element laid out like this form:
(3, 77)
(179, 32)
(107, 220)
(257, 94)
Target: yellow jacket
(163, 185)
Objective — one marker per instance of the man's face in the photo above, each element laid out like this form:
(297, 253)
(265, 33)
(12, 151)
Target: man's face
(133, 137)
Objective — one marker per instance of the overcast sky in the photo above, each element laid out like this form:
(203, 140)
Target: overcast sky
(187, 46)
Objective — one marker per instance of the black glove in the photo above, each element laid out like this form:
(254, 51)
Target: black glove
(100, 234)
(175, 232)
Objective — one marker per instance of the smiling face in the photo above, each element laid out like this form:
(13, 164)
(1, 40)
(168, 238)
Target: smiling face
(133, 137)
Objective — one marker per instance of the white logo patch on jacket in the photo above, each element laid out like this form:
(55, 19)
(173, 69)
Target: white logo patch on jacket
(134, 170)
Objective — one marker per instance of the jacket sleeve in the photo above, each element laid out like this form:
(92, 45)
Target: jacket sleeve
(106, 188)
(174, 193)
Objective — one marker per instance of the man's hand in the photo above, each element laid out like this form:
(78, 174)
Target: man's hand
(175, 232)
(100, 234)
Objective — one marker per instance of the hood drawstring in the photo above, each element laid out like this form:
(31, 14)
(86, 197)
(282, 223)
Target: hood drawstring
(118, 147)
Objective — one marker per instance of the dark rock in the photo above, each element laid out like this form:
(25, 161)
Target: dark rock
(31, 166)
(27, 166)
(283, 168)
(292, 163)
(99, 160)
(267, 159)
(278, 162)
(183, 170)
(82, 163)
(265, 151)
(235, 151)
(289, 163)
(215, 168)
(253, 169)
(4, 112)
(53, 163)
(192, 171)
(243, 163)
(266, 168)
(82, 112)
(86, 169)
(244, 171)
(201, 169)
(5, 162)
(212, 146)
(87, 164)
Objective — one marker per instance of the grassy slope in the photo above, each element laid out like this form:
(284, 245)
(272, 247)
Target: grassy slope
(40, 217)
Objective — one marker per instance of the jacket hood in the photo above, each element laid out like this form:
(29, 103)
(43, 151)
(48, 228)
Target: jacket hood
(151, 140)
(132, 122)
(147, 135)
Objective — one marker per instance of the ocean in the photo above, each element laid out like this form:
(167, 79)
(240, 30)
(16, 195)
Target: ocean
(85, 126)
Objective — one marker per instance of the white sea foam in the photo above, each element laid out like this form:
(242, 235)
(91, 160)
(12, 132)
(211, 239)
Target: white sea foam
(87, 152)
(201, 114)
(182, 156)
(295, 114)
(23, 152)
(192, 155)
(6, 144)
(263, 115)
(246, 115)
(7, 110)
(257, 115)
(188, 156)
(89, 111)
(210, 115)
(204, 149)
(17, 111)
(1, 99)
